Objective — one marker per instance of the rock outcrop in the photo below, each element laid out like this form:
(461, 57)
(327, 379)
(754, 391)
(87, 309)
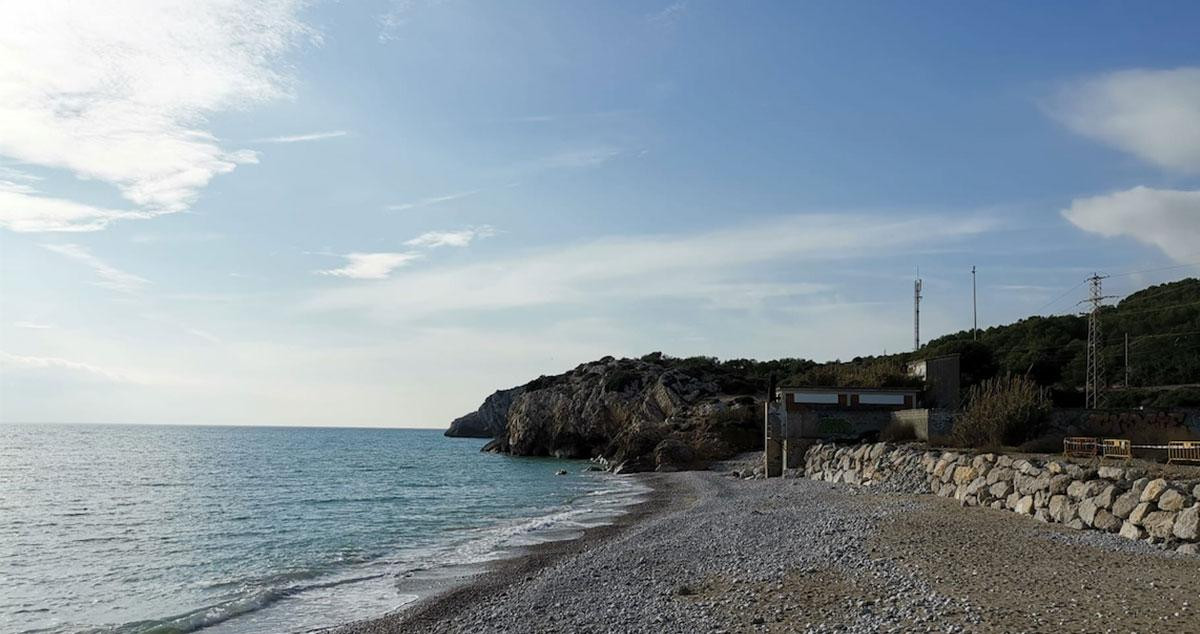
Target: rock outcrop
(637, 415)
(1111, 499)
(490, 420)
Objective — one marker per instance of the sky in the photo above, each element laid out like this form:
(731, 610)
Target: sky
(376, 213)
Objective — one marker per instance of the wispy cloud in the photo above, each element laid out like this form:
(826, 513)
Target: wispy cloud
(371, 266)
(110, 276)
(696, 266)
(13, 361)
(579, 158)
(119, 92)
(299, 138)
(1152, 114)
(22, 209)
(1164, 218)
(460, 238)
(432, 200)
(669, 14)
(32, 325)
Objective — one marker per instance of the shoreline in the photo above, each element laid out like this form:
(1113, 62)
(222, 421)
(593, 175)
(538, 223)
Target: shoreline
(443, 593)
(709, 553)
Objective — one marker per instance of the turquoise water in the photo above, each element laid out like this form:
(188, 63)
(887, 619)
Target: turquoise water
(225, 529)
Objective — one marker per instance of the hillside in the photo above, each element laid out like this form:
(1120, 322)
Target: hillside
(1163, 324)
(662, 412)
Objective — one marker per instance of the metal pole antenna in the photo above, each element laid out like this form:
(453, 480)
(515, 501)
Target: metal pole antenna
(917, 314)
(974, 308)
(1095, 347)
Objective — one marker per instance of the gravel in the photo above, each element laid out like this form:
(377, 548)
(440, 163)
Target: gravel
(717, 554)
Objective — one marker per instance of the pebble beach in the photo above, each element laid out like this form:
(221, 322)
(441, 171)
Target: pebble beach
(711, 553)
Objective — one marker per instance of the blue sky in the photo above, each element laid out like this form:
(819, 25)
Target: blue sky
(375, 213)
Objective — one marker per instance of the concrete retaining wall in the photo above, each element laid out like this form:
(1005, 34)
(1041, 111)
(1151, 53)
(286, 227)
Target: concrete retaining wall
(1108, 498)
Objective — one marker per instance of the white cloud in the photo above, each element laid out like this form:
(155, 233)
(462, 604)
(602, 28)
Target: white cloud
(23, 210)
(432, 200)
(110, 276)
(120, 92)
(371, 266)
(581, 158)
(669, 14)
(1153, 114)
(10, 362)
(299, 138)
(32, 325)
(1164, 218)
(461, 238)
(699, 266)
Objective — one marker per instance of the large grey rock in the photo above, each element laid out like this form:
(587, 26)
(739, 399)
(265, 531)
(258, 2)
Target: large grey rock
(1059, 483)
(1130, 530)
(1104, 499)
(1000, 489)
(1062, 509)
(1172, 500)
(1000, 474)
(1187, 524)
(1024, 505)
(1087, 511)
(1139, 513)
(1106, 521)
(1159, 524)
(1124, 504)
(1110, 473)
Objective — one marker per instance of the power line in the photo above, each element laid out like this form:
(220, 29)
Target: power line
(1154, 270)
(1057, 299)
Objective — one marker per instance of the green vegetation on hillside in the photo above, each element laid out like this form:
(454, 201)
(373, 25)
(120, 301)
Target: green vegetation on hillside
(1163, 323)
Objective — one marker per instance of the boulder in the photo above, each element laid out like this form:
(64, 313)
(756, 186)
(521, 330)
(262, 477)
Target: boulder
(1106, 521)
(1087, 511)
(1059, 484)
(1154, 488)
(1024, 505)
(1196, 492)
(1011, 501)
(1130, 530)
(1139, 513)
(1062, 509)
(1159, 524)
(1000, 474)
(964, 475)
(1188, 549)
(1000, 489)
(1042, 515)
(1111, 473)
(1172, 500)
(1124, 504)
(1104, 499)
(1187, 524)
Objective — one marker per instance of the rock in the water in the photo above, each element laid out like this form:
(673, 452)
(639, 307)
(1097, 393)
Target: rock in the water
(561, 472)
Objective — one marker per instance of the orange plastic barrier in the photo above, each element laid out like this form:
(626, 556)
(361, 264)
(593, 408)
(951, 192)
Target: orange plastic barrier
(1081, 447)
(1117, 448)
(1183, 451)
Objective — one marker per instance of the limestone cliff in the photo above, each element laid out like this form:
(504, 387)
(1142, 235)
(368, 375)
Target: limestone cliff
(637, 415)
(490, 420)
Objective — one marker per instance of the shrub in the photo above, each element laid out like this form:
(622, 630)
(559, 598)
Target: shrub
(1003, 411)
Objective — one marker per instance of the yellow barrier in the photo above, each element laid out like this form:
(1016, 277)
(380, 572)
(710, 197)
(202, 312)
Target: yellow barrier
(1081, 447)
(1183, 451)
(1117, 448)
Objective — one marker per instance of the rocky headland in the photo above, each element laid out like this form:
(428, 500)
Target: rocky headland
(649, 414)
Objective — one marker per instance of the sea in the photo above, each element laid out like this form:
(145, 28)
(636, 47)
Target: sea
(137, 528)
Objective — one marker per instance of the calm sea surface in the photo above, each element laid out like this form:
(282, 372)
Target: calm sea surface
(223, 529)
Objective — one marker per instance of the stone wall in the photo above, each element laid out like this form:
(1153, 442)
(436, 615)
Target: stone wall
(1107, 498)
